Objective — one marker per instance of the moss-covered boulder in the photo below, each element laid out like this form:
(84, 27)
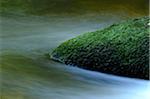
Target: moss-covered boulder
(121, 49)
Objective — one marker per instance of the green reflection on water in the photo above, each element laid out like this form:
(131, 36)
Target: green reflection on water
(41, 7)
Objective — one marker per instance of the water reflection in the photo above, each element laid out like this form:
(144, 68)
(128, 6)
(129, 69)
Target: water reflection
(26, 73)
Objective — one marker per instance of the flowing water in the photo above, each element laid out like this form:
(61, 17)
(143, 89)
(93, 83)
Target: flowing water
(27, 73)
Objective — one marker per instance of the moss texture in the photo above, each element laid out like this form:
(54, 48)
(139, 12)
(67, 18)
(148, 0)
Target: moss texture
(121, 49)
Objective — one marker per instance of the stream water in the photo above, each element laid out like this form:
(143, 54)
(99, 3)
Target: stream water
(27, 73)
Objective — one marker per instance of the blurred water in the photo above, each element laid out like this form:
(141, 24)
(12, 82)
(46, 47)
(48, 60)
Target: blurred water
(26, 73)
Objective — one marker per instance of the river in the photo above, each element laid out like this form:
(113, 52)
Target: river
(27, 72)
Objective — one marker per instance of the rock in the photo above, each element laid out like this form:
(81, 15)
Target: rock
(121, 49)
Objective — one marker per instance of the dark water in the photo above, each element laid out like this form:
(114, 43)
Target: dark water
(31, 28)
(47, 7)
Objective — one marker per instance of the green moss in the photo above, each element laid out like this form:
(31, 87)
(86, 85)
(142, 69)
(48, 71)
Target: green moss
(121, 49)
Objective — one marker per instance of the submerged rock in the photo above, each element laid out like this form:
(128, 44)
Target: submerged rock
(121, 49)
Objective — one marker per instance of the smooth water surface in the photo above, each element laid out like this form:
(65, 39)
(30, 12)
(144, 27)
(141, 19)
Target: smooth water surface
(27, 73)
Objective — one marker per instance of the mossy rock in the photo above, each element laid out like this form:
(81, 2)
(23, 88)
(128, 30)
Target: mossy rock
(121, 49)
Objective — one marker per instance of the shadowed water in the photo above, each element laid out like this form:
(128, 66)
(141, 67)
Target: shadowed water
(27, 73)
